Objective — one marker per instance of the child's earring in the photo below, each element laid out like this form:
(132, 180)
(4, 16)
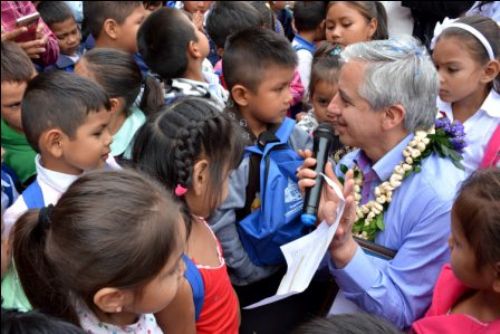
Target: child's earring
(118, 309)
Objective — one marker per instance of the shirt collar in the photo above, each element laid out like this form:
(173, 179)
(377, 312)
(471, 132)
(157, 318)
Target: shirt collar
(491, 105)
(384, 167)
(56, 180)
(301, 40)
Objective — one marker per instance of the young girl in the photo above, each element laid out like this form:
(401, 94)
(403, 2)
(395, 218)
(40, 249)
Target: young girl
(176, 51)
(105, 256)
(466, 56)
(117, 72)
(349, 22)
(191, 147)
(322, 87)
(467, 293)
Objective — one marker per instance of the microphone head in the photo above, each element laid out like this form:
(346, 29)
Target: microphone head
(324, 130)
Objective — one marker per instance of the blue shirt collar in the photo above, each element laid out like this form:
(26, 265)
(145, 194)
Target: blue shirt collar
(305, 43)
(385, 166)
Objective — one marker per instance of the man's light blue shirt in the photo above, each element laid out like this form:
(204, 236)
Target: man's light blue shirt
(417, 225)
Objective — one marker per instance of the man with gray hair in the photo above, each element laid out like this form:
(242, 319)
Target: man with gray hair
(384, 106)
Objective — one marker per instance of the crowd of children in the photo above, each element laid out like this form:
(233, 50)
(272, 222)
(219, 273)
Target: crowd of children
(138, 137)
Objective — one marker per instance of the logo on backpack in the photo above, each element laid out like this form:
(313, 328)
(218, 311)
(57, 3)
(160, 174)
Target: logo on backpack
(277, 221)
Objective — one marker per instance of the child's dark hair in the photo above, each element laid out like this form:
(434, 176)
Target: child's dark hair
(163, 46)
(109, 229)
(34, 322)
(250, 52)
(169, 144)
(477, 210)
(356, 323)
(61, 100)
(96, 12)
(308, 15)
(370, 10)
(118, 73)
(16, 65)
(266, 14)
(489, 29)
(228, 17)
(54, 12)
(325, 65)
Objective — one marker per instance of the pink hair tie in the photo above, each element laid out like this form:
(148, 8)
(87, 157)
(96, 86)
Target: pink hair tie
(180, 190)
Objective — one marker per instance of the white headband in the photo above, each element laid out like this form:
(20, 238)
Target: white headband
(449, 23)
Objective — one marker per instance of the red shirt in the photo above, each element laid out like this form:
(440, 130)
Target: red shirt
(220, 311)
(12, 10)
(447, 292)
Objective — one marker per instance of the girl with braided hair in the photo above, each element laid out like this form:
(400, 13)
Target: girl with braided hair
(191, 147)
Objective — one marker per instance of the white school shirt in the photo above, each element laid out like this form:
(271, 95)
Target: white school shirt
(478, 129)
(53, 185)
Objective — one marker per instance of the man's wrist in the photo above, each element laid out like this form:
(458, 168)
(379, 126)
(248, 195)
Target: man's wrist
(343, 254)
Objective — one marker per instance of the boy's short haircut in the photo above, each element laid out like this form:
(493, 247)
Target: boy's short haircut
(16, 65)
(250, 52)
(308, 14)
(34, 322)
(228, 17)
(163, 45)
(96, 12)
(61, 100)
(54, 12)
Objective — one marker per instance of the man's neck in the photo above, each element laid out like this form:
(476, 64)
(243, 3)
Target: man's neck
(384, 145)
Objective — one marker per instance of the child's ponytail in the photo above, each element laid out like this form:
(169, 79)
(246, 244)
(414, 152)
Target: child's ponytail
(152, 97)
(38, 279)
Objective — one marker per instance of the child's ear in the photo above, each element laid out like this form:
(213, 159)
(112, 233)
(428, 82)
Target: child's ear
(111, 28)
(51, 141)
(220, 52)
(393, 116)
(116, 104)
(372, 27)
(240, 95)
(200, 177)
(110, 300)
(194, 50)
(490, 71)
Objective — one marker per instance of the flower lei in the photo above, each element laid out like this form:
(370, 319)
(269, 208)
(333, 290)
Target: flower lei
(445, 138)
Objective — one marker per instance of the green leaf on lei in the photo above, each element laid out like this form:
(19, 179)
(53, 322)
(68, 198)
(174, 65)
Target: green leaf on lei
(379, 221)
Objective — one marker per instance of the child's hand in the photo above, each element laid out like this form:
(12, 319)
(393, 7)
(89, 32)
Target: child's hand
(300, 115)
(198, 21)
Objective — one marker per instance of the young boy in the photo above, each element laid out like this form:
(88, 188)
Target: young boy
(177, 52)
(309, 21)
(226, 18)
(114, 24)
(61, 21)
(17, 70)
(258, 66)
(65, 118)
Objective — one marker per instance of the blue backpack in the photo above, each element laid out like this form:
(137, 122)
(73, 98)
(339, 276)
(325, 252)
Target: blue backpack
(273, 167)
(33, 198)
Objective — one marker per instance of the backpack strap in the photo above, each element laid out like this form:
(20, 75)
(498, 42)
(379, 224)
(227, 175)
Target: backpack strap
(492, 151)
(276, 136)
(33, 196)
(193, 276)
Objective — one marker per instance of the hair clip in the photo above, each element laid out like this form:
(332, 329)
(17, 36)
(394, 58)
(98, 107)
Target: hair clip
(180, 190)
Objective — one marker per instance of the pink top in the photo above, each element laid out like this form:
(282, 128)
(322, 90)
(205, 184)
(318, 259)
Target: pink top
(438, 319)
(220, 311)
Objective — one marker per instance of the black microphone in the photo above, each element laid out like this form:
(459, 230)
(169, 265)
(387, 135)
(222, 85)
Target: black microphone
(323, 143)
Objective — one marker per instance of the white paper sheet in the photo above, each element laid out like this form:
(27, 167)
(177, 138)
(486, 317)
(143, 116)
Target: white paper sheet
(304, 255)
